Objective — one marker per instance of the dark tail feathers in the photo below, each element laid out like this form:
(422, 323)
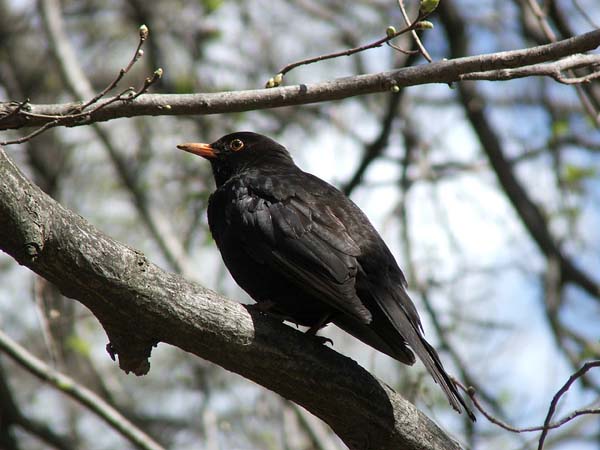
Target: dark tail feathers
(410, 332)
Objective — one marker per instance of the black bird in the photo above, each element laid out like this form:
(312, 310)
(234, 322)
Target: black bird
(306, 253)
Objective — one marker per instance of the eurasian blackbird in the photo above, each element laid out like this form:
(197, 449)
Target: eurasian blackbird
(307, 254)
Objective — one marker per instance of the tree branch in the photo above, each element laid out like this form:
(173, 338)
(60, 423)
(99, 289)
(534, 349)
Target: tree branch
(78, 392)
(139, 305)
(221, 102)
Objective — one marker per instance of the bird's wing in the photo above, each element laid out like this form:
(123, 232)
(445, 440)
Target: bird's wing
(304, 242)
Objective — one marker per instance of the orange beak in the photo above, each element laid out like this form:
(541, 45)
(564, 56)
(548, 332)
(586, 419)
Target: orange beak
(204, 150)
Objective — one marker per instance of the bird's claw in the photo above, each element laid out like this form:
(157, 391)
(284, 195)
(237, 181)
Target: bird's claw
(322, 339)
(266, 309)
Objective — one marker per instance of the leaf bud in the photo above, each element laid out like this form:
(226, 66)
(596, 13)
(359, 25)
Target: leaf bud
(143, 32)
(428, 6)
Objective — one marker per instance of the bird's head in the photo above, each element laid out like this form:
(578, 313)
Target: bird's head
(238, 152)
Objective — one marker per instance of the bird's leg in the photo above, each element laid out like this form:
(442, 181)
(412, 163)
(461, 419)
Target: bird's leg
(263, 306)
(266, 307)
(312, 331)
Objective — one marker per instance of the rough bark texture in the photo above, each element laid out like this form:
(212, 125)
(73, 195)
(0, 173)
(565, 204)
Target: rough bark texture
(140, 305)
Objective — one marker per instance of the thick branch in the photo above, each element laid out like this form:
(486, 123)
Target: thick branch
(139, 305)
(221, 102)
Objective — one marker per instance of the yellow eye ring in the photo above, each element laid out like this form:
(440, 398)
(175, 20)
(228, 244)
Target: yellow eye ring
(236, 145)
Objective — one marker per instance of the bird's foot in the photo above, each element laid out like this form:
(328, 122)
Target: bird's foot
(320, 339)
(265, 308)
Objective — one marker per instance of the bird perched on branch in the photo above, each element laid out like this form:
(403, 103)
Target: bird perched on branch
(307, 254)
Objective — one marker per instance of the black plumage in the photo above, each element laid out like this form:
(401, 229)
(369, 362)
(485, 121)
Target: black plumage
(306, 253)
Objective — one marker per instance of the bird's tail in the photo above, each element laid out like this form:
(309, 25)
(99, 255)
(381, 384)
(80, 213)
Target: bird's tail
(409, 328)
(431, 360)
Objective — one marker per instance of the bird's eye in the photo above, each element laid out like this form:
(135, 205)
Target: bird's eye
(236, 145)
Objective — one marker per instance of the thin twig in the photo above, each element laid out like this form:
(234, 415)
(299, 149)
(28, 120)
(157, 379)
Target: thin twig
(472, 393)
(143, 34)
(148, 81)
(548, 425)
(415, 36)
(585, 368)
(67, 119)
(80, 112)
(352, 51)
(77, 392)
(542, 20)
(401, 50)
(576, 80)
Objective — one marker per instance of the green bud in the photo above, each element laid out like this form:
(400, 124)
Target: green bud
(158, 72)
(428, 6)
(390, 31)
(424, 25)
(143, 32)
(64, 385)
(270, 83)
(278, 79)
(395, 89)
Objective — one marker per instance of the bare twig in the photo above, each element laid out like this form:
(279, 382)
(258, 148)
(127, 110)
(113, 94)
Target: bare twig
(401, 50)
(65, 120)
(576, 80)
(375, 148)
(148, 81)
(472, 393)
(585, 368)
(352, 51)
(414, 34)
(79, 113)
(143, 33)
(33, 134)
(77, 392)
(541, 18)
(82, 117)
